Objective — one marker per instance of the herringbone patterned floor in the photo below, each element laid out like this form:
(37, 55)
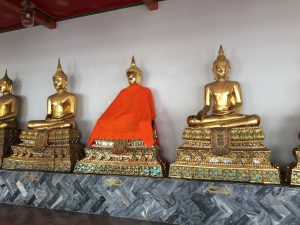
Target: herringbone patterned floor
(163, 200)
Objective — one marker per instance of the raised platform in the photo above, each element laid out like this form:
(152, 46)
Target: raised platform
(174, 201)
(53, 150)
(122, 157)
(228, 154)
(8, 137)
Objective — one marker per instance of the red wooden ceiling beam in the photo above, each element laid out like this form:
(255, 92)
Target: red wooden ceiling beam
(151, 4)
(41, 18)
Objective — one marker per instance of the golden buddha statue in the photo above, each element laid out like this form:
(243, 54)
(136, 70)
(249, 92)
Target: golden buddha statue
(61, 107)
(9, 108)
(51, 144)
(226, 145)
(227, 101)
(9, 104)
(124, 139)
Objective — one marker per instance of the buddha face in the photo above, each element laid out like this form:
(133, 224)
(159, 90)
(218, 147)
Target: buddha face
(5, 87)
(221, 70)
(132, 77)
(60, 83)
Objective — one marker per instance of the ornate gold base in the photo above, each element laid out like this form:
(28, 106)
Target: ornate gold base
(60, 154)
(44, 164)
(123, 157)
(293, 174)
(228, 154)
(8, 137)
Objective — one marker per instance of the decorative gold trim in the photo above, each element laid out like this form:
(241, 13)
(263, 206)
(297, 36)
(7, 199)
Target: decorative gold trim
(133, 158)
(60, 151)
(231, 154)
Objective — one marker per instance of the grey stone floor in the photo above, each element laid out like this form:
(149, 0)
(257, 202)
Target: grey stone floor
(21, 215)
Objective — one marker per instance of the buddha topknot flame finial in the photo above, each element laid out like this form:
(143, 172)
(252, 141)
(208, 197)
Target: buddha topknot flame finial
(59, 65)
(221, 51)
(221, 56)
(6, 79)
(59, 72)
(133, 61)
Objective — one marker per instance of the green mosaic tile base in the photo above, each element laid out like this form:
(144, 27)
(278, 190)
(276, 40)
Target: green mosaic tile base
(265, 176)
(59, 165)
(110, 169)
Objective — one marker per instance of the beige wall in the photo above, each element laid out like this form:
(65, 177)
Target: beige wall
(175, 47)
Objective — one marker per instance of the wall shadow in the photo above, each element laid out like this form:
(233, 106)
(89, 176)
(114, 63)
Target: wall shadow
(23, 101)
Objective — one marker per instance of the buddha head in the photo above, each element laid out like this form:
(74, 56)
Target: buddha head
(134, 74)
(221, 66)
(60, 79)
(6, 84)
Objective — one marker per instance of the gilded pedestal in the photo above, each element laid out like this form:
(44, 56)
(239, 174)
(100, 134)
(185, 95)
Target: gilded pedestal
(8, 137)
(123, 157)
(229, 154)
(293, 171)
(60, 153)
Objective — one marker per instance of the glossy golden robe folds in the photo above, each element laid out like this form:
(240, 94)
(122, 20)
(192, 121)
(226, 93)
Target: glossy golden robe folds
(225, 145)
(51, 144)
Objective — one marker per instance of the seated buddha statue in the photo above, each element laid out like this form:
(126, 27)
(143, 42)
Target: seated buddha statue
(52, 144)
(9, 108)
(225, 99)
(61, 106)
(9, 104)
(224, 145)
(124, 139)
(130, 115)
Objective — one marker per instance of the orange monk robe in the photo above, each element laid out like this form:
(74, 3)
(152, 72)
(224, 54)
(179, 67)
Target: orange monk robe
(129, 116)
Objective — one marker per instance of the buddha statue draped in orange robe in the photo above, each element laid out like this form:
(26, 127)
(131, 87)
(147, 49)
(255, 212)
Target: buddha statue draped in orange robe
(124, 140)
(131, 115)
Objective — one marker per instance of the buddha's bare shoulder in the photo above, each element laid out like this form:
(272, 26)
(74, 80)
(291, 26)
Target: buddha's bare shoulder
(59, 95)
(211, 85)
(9, 97)
(234, 83)
(70, 94)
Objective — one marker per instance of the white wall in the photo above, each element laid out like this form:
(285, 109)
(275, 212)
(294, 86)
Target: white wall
(175, 47)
